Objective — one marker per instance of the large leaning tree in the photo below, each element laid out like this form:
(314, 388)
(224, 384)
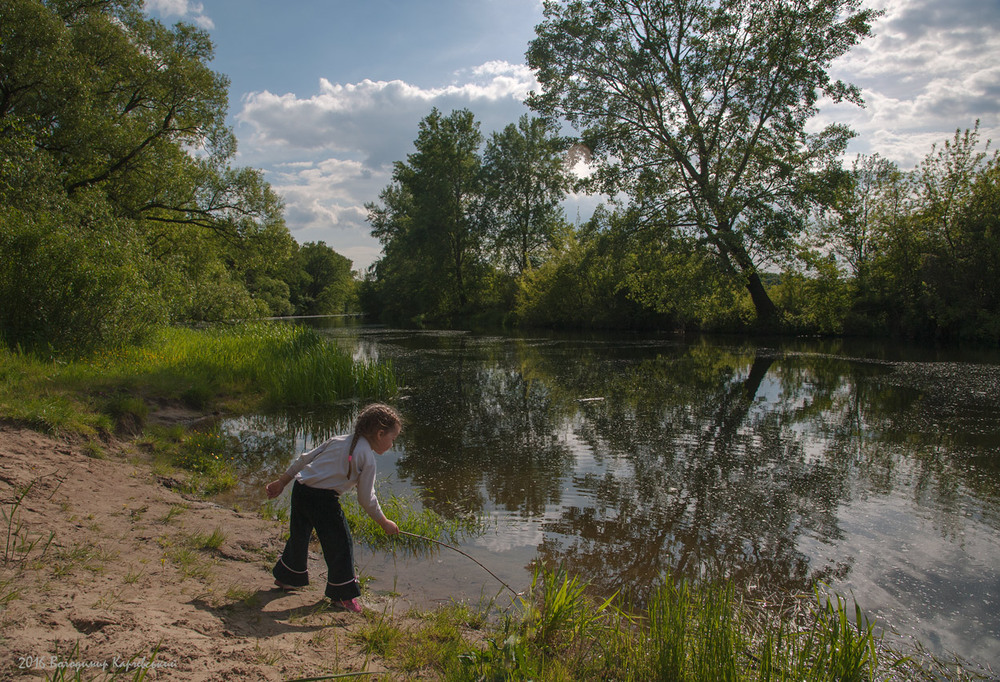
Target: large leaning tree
(698, 110)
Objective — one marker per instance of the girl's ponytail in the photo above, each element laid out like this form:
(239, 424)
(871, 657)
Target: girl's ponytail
(350, 453)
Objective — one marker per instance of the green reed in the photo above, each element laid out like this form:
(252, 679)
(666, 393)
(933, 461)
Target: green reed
(420, 521)
(236, 367)
(687, 633)
(831, 647)
(288, 365)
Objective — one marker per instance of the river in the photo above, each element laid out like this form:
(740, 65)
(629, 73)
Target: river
(871, 468)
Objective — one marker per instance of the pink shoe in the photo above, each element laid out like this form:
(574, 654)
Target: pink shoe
(349, 605)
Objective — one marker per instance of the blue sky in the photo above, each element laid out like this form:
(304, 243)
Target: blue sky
(325, 95)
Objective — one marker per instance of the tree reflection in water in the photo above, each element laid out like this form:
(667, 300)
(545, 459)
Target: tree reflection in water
(698, 458)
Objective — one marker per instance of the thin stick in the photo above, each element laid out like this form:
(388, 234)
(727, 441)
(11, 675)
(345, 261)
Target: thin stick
(445, 544)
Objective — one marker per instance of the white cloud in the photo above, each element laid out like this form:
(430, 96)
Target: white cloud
(186, 10)
(324, 201)
(330, 153)
(376, 121)
(930, 68)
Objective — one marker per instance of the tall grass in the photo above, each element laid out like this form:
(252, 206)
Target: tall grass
(687, 633)
(832, 646)
(288, 365)
(242, 366)
(406, 514)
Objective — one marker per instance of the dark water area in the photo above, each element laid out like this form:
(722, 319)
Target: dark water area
(874, 469)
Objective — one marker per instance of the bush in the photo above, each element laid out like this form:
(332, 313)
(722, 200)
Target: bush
(70, 289)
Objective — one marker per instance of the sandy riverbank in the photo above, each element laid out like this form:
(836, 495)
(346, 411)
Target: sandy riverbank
(126, 574)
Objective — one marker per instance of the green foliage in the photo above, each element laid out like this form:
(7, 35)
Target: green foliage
(525, 178)
(203, 453)
(565, 291)
(33, 391)
(687, 633)
(289, 365)
(619, 272)
(320, 281)
(559, 635)
(128, 412)
(261, 362)
(698, 111)
(956, 219)
(213, 540)
(423, 521)
(559, 612)
(923, 245)
(817, 301)
(428, 223)
(208, 456)
(119, 210)
(72, 288)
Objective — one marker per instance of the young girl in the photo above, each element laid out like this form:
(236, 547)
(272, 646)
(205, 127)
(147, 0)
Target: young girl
(321, 476)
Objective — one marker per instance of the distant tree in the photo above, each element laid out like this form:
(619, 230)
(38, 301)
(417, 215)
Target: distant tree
(956, 187)
(397, 285)
(868, 202)
(330, 287)
(525, 179)
(428, 218)
(698, 110)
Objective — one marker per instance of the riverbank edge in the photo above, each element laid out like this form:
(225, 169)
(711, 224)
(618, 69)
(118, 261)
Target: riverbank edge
(105, 564)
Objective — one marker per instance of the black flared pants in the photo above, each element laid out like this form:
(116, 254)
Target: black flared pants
(319, 509)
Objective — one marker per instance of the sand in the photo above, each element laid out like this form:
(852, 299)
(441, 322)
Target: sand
(106, 570)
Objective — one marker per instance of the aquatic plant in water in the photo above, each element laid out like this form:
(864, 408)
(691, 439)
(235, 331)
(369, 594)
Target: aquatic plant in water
(418, 521)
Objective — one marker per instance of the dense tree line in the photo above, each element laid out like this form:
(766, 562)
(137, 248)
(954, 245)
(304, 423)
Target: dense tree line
(887, 253)
(912, 253)
(728, 213)
(120, 208)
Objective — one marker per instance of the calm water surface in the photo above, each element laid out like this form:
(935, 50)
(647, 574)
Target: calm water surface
(873, 469)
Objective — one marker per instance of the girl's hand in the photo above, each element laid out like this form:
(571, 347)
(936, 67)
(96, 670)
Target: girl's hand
(274, 489)
(389, 527)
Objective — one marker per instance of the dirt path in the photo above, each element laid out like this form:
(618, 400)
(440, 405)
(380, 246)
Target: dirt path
(104, 564)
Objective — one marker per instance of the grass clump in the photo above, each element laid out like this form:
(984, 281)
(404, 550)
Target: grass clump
(240, 366)
(207, 455)
(686, 633)
(380, 636)
(212, 541)
(423, 521)
(272, 510)
(128, 412)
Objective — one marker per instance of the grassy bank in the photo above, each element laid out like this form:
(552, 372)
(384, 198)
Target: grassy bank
(231, 369)
(557, 630)
(687, 633)
(236, 367)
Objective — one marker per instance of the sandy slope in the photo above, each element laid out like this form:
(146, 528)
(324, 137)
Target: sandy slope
(122, 577)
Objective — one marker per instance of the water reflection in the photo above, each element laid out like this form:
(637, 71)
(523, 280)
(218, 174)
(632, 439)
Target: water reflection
(872, 469)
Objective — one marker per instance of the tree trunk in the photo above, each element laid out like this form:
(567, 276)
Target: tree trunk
(735, 257)
(767, 312)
